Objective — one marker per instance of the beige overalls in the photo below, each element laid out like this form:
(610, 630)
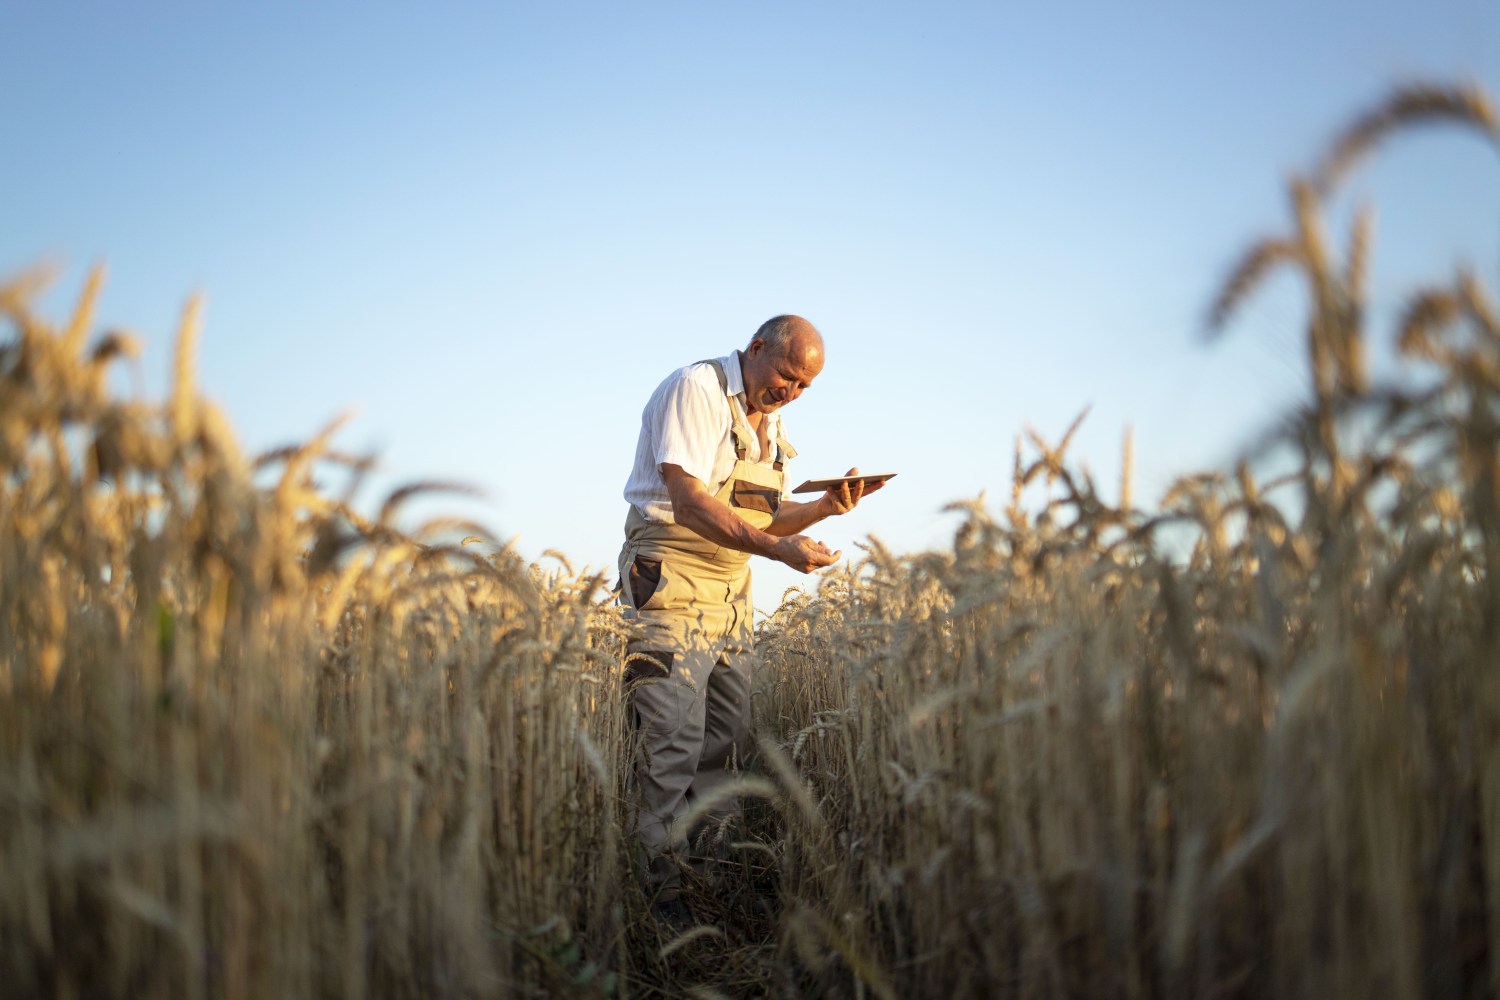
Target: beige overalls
(689, 670)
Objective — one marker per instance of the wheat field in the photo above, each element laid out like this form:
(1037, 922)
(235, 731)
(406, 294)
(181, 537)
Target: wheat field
(255, 742)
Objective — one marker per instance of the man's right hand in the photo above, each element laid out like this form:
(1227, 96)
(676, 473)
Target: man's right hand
(804, 554)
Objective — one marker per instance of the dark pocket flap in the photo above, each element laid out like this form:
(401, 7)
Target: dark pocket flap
(648, 664)
(751, 496)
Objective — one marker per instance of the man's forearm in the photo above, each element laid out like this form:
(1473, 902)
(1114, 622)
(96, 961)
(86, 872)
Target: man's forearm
(717, 523)
(695, 509)
(793, 518)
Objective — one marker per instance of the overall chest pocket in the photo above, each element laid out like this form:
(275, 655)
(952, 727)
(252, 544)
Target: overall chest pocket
(753, 496)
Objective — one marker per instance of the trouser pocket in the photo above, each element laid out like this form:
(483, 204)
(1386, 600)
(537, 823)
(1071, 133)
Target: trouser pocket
(645, 578)
(661, 584)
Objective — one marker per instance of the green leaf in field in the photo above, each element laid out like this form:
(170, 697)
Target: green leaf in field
(545, 927)
(567, 953)
(166, 630)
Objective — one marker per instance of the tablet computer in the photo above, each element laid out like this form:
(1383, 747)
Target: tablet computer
(819, 485)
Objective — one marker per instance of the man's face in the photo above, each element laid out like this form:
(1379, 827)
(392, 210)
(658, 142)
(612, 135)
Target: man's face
(772, 380)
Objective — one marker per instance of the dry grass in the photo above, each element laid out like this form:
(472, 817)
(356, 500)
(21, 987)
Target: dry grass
(255, 744)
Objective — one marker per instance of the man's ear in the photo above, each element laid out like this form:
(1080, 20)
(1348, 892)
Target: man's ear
(755, 346)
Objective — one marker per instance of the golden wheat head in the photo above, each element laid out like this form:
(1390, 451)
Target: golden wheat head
(1419, 104)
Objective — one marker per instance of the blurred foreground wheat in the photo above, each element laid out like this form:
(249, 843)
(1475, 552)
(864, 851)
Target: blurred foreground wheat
(1061, 760)
(253, 743)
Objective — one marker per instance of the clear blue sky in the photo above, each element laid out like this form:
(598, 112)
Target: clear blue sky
(493, 228)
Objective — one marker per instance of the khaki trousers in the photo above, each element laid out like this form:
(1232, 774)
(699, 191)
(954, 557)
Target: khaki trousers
(688, 676)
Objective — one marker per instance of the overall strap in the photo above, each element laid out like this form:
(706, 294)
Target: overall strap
(784, 451)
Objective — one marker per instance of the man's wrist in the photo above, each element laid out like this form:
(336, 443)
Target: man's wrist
(773, 551)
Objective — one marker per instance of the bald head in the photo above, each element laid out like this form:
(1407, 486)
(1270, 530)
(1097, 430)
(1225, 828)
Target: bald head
(783, 358)
(791, 337)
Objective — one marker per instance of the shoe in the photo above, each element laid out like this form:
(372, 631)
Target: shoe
(672, 917)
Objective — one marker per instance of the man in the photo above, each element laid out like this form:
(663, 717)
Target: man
(705, 494)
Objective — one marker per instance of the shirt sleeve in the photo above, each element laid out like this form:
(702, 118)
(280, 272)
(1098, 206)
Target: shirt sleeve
(687, 425)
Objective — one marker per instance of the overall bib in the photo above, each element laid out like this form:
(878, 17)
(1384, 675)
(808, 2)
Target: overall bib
(688, 671)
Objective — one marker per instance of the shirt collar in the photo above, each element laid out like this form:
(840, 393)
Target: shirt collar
(733, 374)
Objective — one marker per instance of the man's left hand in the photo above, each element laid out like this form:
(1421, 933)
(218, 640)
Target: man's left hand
(843, 498)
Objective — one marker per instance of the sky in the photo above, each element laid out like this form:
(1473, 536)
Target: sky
(489, 230)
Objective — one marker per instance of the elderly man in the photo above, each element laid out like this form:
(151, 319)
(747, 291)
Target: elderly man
(705, 494)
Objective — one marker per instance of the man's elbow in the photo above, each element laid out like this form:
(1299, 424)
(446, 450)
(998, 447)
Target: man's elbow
(680, 490)
(690, 509)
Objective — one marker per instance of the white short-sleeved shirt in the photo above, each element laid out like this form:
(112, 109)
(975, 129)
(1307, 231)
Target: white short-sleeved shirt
(688, 422)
